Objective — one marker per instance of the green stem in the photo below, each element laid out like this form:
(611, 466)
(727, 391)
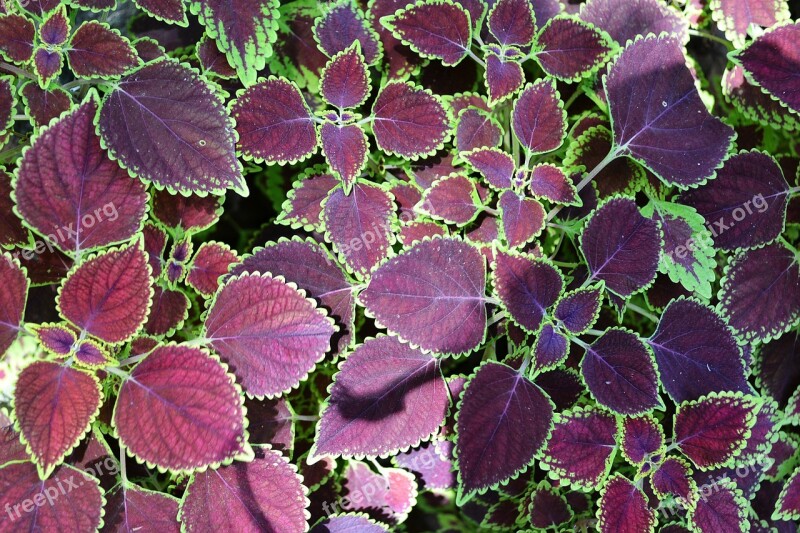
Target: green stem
(644, 312)
(711, 37)
(612, 155)
(18, 71)
(578, 91)
(477, 59)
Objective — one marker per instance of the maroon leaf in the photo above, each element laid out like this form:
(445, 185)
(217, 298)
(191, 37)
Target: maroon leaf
(523, 218)
(96, 50)
(55, 29)
(551, 348)
(735, 17)
(342, 24)
(539, 119)
(724, 510)
(624, 508)
(170, 308)
(570, 49)
(496, 166)
(16, 37)
(48, 65)
(624, 21)
(579, 309)
(303, 205)
(547, 508)
(512, 22)
(345, 80)
(453, 199)
(213, 60)
(170, 11)
(44, 105)
(148, 49)
(551, 183)
(211, 261)
(132, 508)
(503, 77)
(476, 129)
(346, 149)
(788, 505)
(526, 287)
(641, 437)
(673, 477)
(412, 232)
(772, 62)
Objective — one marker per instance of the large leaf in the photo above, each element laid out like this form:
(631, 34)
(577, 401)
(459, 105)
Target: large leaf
(696, 352)
(166, 125)
(96, 50)
(625, 20)
(130, 508)
(109, 294)
(624, 508)
(526, 287)
(54, 406)
(180, 410)
(68, 189)
(268, 331)
(244, 30)
(658, 116)
(539, 119)
(13, 295)
(432, 295)
(263, 495)
(503, 422)
(386, 397)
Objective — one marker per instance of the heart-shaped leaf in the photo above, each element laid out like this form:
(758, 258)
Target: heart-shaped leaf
(539, 119)
(523, 218)
(526, 287)
(512, 22)
(503, 78)
(13, 295)
(96, 50)
(343, 23)
(570, 49)
(494, 165)
(551, 183)
(48, 65)
(345, 80)
(453, 199)
(132, 508)
(624, 507)
(346, 149)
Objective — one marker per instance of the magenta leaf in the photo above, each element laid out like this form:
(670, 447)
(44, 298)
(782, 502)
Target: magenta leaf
(621, 246)
(167, 126)
(523, 218)
(754, 103)
(551, 183)
(526, 287)
(13, 295)
(303, 205)
(432, 295)
(437, 29)
(244, 30)
(132, 508)
(624, 508)
(551, 348)
(341, 25)
(493, 164)
(54, 406)
(624, 20)
(669, 126)
(760, 294)
(266, 329)
(393, 492)
(44, 105)
(359, 226)
(186, 214)
(578, 310)
(274, 123)
(263, 495)
(453, 199)
(725, 509)
(155, 242)
(504, 420)
(503, 77)
(69, 190)
(54, 338)
(621, 374)
(386, 397)
(48, 65)
(91, 354)
(673, 477)
(736, 17)
(641, 437)
(180, 410)
(346, 149)
(713, 429)
(345, 79)
(539, 119)
(212, 260)
(96, 50)
(772, 62)
(570, 49)
(512, 22)
(55, 29)
(581, 447)
(108, 295)
(17, 34)
(167, 313)
(77, 509)
(414, 231)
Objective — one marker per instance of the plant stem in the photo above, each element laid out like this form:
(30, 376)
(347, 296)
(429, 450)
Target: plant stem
(117, 372)
(578, 91)
(134, 359)
(305, 418)
(644, 312)
(711, 37)
(21, 117)
(612, 155)
(18, 71)
(595, 332)
(477, 59)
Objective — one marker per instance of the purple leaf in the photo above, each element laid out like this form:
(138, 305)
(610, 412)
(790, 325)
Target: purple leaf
(564, 386)
(167, 313)
(673, 477)
(274, 123)
(211, 261)
(476, 129)
(13, 295)
(244, 30)
(271, 422)
(270, 334)
(581, 447)
(735, 17)
(772, 62)
(668, 127)
(108, 295)
(493, 164)
(503, 422)
(713, 429)
(641, 437)
(788, 505)
(91, 354)
(621, 176)
(624, 20)
(432, 461)
(263, 495)
(578, 310)
(44, 105)
(96, 50)
(548, 508)
(17, 34)
(621, 374)
(345, 80)
(132, 508)
(526, 287)
(777, 371)
(539, 119)
(212, 59)
(551, 183)
(624, 508)
(348, 523)
(412, 232)
(432, 295)
(77, 509)
(341, 25)
(346, 149)
(392, 493)
(724, 510)
(512, 22)
(745, 205)
(303, 205)
(570, 49)
(696, 352)
(54, 338)
(48, 65)
(409, 121)
(386, 397)
(167, 126)
(753, 103)
(70, 191)
(453, 199)
(551, 348)
(760, 294)
(400, 59)
(428, 170)
(169, 11)
(503, 78)
(523, 218)
(180, 410)
(55, 29)
(149, 49)
(360, 226)
(54, 406)
(621, 246)
(186, 214)
(437, 29)
(155, 242)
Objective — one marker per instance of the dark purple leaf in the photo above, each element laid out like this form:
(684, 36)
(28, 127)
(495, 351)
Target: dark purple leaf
(495, 165)
(788, 505)
(453, 199)
(569, 49)
(723, 510)
(40, 7)
(412, 232)
(130, 508)
(54, 338)
(341, 25)
(673, 477)
(624, 508)
(167, 313)
(12, 232)
(523, 218)
(346, 149)
(91, 354)
(753, 103)
(345, 80)
(148, 49)
(772, 62)
(55, 29)
(96, 50)
(539, 119)
(641, 437)
(503, 422)
(16, 37)
(271, 422)
(428, 170)
(777, 367)
(211, 261)
(44, 105)
(167, 126)
(476, 129)
(624, 20)
(512, 22)
(48, 65)
(212, 59)
(668, 129)
(551, 183)
(621, 176)
(155, 242)
(526, 287)
(578, 310)
(432, 295)
(551, 348)
(400, 59)
(303, 205)
(548, 508)
(503, 77)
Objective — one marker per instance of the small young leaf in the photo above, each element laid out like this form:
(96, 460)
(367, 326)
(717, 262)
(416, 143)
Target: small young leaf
(17, 35)
(346, 149)
(212, 260)
(96, 50)
(132, 508)
(551, 348)
(476, 129)
(503, 78)
(526, 287)
(548, 508)
(523, 218)
(345, 80)
(432, 461)
(539, 119)
(212, 59)
(578, 310)
(54, 338)
(186, 214)
(673, 477)
(13, 295)
(303, 205)
(341, 25)
(493, 164)
(551, 183)
(55, 29)
(570, 49)
(512, 22)
(624, 507)
(48, 65)
(641, 437)
(91, 354)
(453, 199)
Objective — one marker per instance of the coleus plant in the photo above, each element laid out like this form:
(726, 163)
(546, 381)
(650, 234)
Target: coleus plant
(440, 265)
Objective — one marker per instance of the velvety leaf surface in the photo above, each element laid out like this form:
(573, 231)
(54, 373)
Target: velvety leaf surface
(13, 294)
(54, 406)
(346, 149)
(44, 105)
(212, 59)
(658, 116)
(476, 129)
(96, 50)
(503, 422)
(270, 334)
(387, 396)
(571, 49)
(16, 37)
(48, 65)
(263, 495)
(551, 183)
(496, 166)
(168, 311)
(621, 246)
(432, 295)
(109, 294)
(551, 347)
(130, 508)
(69, 190)
(512, 22)
(625, 20)
(547, 508)
(453, 199)
(211, 261)
(723, 510)
(303, 205)
(735, 17)
(180, 410)
(274, 123)
(526, 287)
(503, 78)
(641, 436)
(672, 477)
(523, 218)
(170, 11)
(538, 119)
(345, 80)
(624, 508)
(696, 352)
(773, 62)
(579, 309)
(342, 24)
(408, 121)
(167, 126)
